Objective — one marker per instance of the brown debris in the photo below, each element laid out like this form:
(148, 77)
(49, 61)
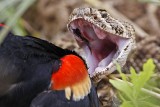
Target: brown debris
(50, 17)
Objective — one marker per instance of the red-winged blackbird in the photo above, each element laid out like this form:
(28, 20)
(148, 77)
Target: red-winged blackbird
(36, 73)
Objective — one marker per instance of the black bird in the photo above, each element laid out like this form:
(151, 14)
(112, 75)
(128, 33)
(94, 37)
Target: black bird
(36, 73)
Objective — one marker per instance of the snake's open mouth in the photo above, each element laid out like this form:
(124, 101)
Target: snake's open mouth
(100, 47)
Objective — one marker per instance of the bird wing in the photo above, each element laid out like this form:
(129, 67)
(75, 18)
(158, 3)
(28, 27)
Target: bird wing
(21, 57)
(57, 99)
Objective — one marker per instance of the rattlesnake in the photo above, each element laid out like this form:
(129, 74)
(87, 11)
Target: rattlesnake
(104, 39)
(149, 47)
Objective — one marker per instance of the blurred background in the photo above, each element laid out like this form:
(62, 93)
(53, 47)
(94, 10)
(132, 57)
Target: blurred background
(47, 19)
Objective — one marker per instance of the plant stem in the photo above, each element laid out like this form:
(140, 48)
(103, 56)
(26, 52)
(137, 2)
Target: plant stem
(20, 10)
(149, 92)
(128, 75)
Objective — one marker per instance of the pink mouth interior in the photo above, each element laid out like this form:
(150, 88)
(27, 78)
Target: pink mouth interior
(100, 47)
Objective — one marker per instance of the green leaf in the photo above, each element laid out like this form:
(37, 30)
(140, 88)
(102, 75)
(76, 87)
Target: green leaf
(146, 104)
(127, 104)
(134, 94)
(21, 8)
(140, 80)
(124, 77)
(133, 74)
(149, 67)
(144, 76)
(123, 86)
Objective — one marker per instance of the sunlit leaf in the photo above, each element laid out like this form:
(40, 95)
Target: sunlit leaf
(132, 92)
(127, 104)
(123, 87)
(120, 72)
(144, 76)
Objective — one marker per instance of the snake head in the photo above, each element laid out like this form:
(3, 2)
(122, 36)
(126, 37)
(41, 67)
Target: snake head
(104, 39)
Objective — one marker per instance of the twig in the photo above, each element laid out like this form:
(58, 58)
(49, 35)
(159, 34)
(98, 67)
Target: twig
(151, 9)
(153, 88)
(128, 75)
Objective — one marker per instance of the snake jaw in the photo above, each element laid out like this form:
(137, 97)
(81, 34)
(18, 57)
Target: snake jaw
(103, 45)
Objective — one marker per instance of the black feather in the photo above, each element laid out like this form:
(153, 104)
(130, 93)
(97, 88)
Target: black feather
(57, 99)
(26, 66)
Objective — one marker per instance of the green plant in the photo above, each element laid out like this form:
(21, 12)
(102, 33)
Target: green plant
(11, 12)
(135, 90)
